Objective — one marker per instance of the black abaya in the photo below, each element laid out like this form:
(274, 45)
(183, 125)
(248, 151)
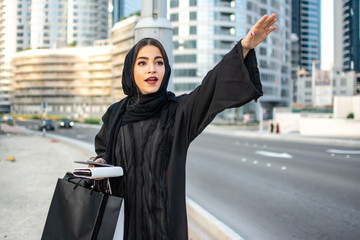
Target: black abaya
(154, 158)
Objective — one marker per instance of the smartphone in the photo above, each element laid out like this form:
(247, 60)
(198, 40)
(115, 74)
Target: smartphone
(88, 162)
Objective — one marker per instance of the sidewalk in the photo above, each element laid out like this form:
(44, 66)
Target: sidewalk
(28, 182)
(29, 168)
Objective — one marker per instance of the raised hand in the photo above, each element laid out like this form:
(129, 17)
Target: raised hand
(258, 32)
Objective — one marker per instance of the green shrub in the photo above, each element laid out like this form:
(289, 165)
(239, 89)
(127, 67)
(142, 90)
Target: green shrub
(350, 116)
(92, 120)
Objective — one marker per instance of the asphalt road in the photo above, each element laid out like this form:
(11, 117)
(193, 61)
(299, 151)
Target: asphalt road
(269, 189)
(266, 189)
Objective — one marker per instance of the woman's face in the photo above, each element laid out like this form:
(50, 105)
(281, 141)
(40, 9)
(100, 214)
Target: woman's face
(149, 69)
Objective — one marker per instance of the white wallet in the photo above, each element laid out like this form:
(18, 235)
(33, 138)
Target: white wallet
(98, 172)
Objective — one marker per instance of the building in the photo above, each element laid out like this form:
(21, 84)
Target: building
(122, 40)
(72, 82)
(121, 9)
(347, 43)
(344, 83)
(302, 89)
(320, 88)
(46, 24)
(204, 31)
(14, 36)
(294, 67)
(87, 22)
(306, 20)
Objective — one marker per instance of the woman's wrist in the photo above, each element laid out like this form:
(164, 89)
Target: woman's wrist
(245, 49)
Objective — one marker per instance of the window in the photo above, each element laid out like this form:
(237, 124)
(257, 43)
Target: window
(188, 44)
(185, 58)
(174, 17)
(224, 44)
(192, 30)
(185, 73)
(176, 31)
(174, 3)
(343, 82)
(185, 86)
(193, 3)
(193, 16)
(263, 51)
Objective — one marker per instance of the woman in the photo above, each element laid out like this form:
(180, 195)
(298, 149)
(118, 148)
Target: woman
(148, 133)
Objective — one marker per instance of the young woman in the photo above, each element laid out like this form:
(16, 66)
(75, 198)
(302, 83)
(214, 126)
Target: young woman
(148, 133)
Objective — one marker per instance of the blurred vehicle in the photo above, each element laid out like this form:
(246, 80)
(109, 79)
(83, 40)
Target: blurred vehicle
(46, 124)
(7, 118)
(66, 123)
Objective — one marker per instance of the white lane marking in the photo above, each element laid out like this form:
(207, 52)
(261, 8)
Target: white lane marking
(243, 160)
(274, 154)
(283, 168)
(80, 136)
(343, 151)
(268, 165)
(255, 162)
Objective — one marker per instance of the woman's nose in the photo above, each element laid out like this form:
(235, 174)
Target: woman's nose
(152, 68)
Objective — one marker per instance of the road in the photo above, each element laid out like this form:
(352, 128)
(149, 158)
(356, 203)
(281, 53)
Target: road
(266, 189)
(270, 189)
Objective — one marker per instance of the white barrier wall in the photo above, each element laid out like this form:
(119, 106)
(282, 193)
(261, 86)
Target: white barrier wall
(343, 105)
(288, 122)
(323, 127)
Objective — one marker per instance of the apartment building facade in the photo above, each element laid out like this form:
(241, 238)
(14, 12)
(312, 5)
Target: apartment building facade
(204, 31)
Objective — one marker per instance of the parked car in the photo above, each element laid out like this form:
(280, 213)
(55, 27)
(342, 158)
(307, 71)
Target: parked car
(46, 124)
(7, 118)
(66, 123)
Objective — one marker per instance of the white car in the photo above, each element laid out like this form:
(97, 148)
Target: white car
(7, 118)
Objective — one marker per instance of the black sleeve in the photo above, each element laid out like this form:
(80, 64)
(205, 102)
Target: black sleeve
(233, 82)
(101, 143)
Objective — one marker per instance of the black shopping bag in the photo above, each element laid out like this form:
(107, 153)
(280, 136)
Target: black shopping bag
(78, 212)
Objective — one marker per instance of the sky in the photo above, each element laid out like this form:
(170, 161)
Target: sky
(327, 33)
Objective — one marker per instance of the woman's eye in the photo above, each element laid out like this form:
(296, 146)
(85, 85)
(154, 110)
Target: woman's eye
(160, 63)
(142, 63)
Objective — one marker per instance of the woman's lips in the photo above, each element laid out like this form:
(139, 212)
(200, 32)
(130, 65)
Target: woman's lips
(151, 80)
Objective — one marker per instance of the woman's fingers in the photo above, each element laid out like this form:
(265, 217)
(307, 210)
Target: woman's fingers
(99, 160)
(259, 32)
(270, 20)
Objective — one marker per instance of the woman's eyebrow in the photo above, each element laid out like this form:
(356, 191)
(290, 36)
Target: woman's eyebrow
(146, 58)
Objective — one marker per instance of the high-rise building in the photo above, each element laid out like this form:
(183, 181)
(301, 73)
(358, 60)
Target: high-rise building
(123, 8)
(204, 31)
(87, 21)
(56, 23)
(37, 24)
(347, 37)
(14, 36)
(48, 23)
(306, 20)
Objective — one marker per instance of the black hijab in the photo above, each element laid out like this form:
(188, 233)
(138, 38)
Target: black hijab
(136, 106)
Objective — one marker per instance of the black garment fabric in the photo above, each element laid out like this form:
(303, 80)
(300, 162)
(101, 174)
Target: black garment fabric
(136, 107)
(154, 158)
